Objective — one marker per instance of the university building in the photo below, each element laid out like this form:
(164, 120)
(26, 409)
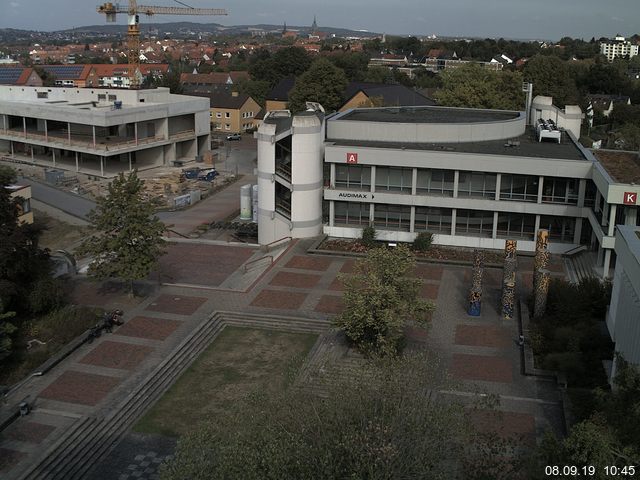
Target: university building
(472, 177)
(102, 131)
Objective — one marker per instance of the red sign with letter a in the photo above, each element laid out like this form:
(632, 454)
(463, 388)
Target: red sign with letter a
(352, 158)
(630, 198)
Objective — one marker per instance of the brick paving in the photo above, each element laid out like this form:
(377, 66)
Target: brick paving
(309, 263)
(201, 264)
(105, 295)
(430, 290)
(331, 304)
(481, 367)
(176, 304)
(336, 285)
(296, 280)
(279, 299)
(31, 432)
(483, 336)
(429, 272)
(348, 266)
(9, 458)
(116, 355)
(148, 327)
(79, 387)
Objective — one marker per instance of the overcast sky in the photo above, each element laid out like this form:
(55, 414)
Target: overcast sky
(544, 19)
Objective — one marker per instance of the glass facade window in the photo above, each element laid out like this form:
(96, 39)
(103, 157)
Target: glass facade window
(477, 184)
(394, 179)
(433, 220)
(523, 188)
(353, 177)
(351, 213)
(435, 182)
(560, 228)
(590, 194)
(475, 223)
(392, 217)
(516, 226)
(560, 190)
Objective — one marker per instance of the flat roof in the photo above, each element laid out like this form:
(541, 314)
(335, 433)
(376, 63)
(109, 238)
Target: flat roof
(427, 115)
(528, 147)
(623, 167)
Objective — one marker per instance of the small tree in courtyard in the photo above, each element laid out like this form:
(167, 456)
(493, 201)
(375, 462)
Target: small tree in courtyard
(380, 298)
(128, 236)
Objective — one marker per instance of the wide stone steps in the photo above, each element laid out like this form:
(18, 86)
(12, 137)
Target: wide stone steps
(87, 444)
(276, 322)
(583, 265)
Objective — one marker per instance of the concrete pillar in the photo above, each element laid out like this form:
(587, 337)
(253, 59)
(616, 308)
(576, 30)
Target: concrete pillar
(69, 132)
(135, 132)
(371, 213)
(540, 188)
(596, 205)
(607, 262)
(373, 179)
(130, 161)
(612, 219)
(77, 167)
(498, 182)
(453, 222)
(24, 126)
(412, 219)
(332, 211)
(456, 181)
(582, 189)
(11, 144)
(101, 166)
(494, 232)
(537, 225)
(46, 131)
(578, 230)
(93, 131)
(414, 184)
(32, 159)
(332, 175)
(53, 151)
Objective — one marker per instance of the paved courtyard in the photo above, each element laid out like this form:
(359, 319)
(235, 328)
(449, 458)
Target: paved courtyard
(478, 352)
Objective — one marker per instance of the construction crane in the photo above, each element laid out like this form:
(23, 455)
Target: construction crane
(133, 10)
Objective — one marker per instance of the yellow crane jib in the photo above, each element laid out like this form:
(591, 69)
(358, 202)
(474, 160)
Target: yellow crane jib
(133, 10)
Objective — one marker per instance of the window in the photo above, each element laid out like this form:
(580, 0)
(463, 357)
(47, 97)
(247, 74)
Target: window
(227, 115)
(560, 228)
(560, 190)
(353, 176)
(351, 213)
(392, 217)
(516, 225)
(227, 126)
(433, 220)
(43, 95)
(475, 223)
(394, 179)
(477, 184)
(112, 98)
(435, 182)
(523, 188)
(218, 115)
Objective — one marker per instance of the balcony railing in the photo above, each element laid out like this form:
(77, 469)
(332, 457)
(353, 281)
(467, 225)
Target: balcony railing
(284, 208)
(284, 170)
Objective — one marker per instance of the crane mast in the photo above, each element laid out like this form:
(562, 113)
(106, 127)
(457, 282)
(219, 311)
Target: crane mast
(133, 11)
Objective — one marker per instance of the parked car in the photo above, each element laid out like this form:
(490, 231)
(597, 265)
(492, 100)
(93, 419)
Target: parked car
(234, 136)
(191, 173)
(207, 175)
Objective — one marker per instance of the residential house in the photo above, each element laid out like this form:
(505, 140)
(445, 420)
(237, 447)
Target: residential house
(231, 112)
(78, 76)
(23, 194)
(25, 76)
(606, 103)
(278, 97)
(618, 47)
(361, 94)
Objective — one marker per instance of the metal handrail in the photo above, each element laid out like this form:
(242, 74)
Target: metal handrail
(573, 251)
(289, 237)
(246, 265)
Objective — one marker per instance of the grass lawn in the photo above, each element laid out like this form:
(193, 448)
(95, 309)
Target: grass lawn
(238, 362)
(58, 234)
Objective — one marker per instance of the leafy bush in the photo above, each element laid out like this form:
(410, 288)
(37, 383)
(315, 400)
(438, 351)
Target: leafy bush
(46, 294)
(369, 235)
(423, 241)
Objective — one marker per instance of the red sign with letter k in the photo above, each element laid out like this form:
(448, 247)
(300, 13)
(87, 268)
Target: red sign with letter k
(630, 198)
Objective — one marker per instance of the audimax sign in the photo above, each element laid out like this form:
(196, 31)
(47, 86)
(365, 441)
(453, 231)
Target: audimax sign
(362, 196)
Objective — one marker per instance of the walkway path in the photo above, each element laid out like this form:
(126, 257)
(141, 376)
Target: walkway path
(76, 401)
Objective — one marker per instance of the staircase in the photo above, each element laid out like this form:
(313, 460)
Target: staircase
(581, 265)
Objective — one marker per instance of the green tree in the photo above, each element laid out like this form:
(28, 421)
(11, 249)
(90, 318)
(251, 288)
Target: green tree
(6, 329)
(354, 64)
(286, 62)
(380, 298)
(551, 77)
(22, 262)
(378, 422)
(128, 236)
(473, 86)
(256, 89)
(323, 83)
(378, 75)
